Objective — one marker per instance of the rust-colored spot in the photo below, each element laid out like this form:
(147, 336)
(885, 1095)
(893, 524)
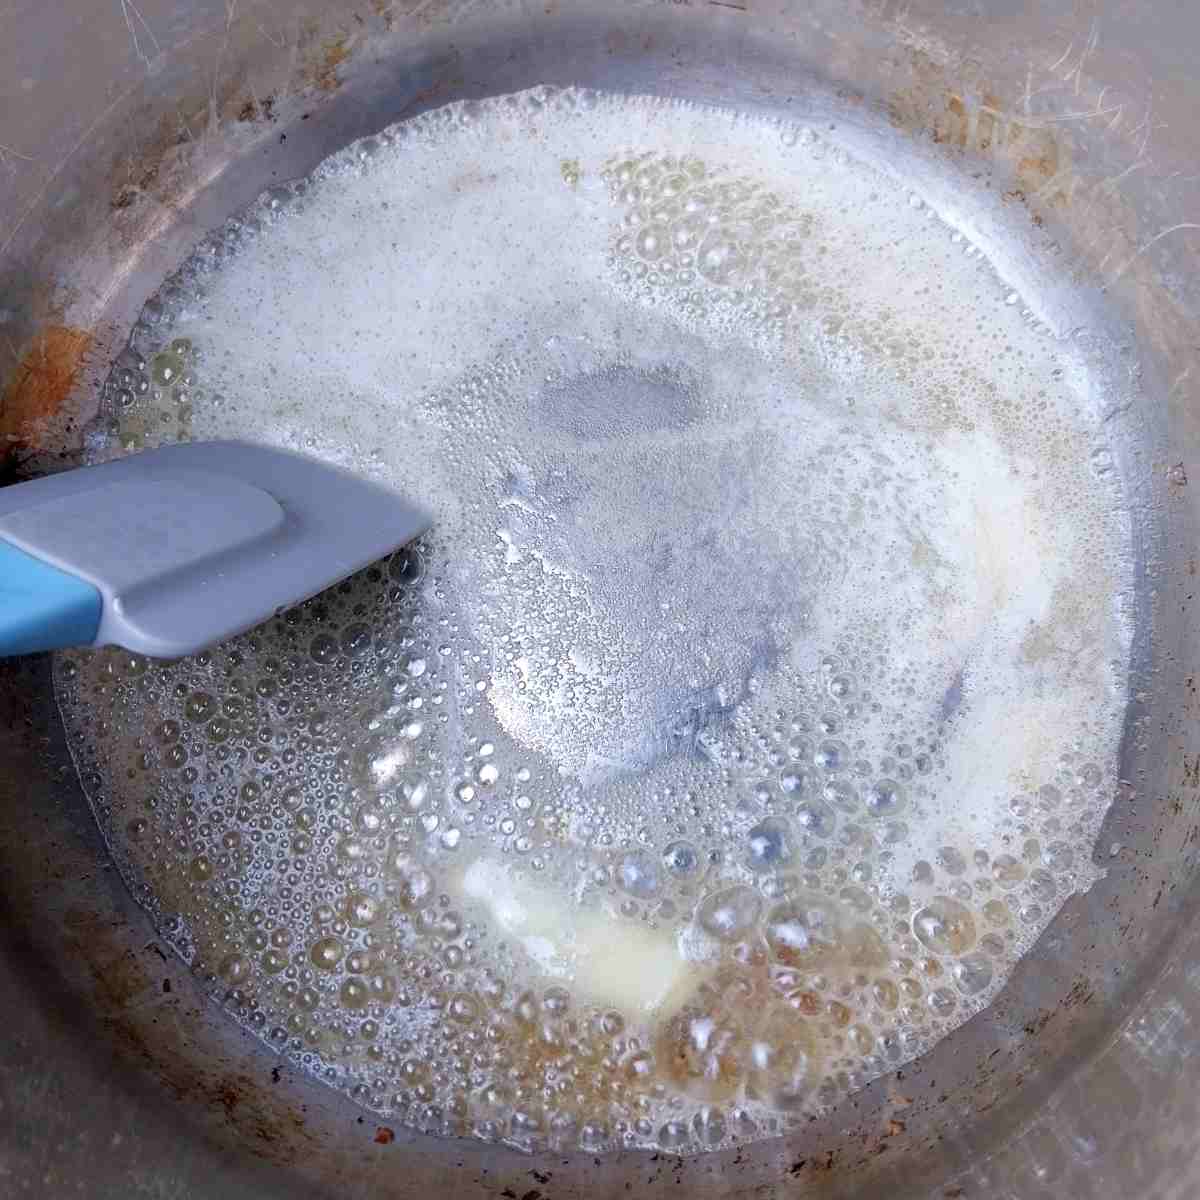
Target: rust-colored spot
(1036, 167)
(40, 385)
(385, 1136)
(227, 1095)
(253, 109)
(267, 1122)
(809, 1003)
(986, 121)
(118, 976)
(952, 124)
(333, 54)
(975, 120)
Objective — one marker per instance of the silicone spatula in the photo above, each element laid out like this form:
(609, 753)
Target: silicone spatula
(172, 550)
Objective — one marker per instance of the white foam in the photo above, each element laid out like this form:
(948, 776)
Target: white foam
(681, 494)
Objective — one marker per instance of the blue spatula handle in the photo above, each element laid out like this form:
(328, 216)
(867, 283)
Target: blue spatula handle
(41, 607)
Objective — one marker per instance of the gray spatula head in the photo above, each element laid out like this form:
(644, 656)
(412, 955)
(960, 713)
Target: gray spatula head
(175, 549)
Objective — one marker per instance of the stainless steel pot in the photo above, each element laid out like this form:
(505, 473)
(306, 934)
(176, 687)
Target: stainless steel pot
(120, 128)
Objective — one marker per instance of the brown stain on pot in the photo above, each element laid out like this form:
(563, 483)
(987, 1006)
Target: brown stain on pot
(144, 1023)
(981, 125)
(40, 386)
(954, 104)
(332, 54)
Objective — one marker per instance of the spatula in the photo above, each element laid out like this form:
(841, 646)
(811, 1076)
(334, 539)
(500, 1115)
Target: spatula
(172, 550)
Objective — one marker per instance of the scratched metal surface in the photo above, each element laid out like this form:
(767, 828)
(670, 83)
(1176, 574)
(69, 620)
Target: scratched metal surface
(128, 129)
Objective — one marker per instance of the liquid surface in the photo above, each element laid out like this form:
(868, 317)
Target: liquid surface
(754, 703)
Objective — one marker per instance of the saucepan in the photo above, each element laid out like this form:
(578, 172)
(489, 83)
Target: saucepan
(128, 130)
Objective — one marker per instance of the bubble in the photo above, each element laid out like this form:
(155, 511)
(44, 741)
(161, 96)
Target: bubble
(652, 242)
(556, 1001)
(944, 926)
(886, 994)
(234, 969)
(951, 860)
(1058, 856)
(861, 1040)
(416, 791)
(416, 886)
(681, 859)
(382, 988)
(793, 781)
(326, 953)
(1049, 797)
(1042, 885)
(370, 818)
(704, 1054)
(864, 947)
(814, 816)
(731, 914)
(350, 849)
(673, 1135)
(804, 932)
(687, 232)
(769, 845)
(356, 639)
(354, 993)
(462, 1009)
(439, 923)
(720, 259)
(842, 794)
(168, 732)
(200, 707)
(273, 961)
(799, 749)
(323, 648)
(612, 1024)
(165, 369)
(973, 974)
(830, 755)
(406, 567)
(942, 1001)
(884, 798)
(710, 1126)
(1007, 871)
(637, 874)
(362, 910)
(640, 1066)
